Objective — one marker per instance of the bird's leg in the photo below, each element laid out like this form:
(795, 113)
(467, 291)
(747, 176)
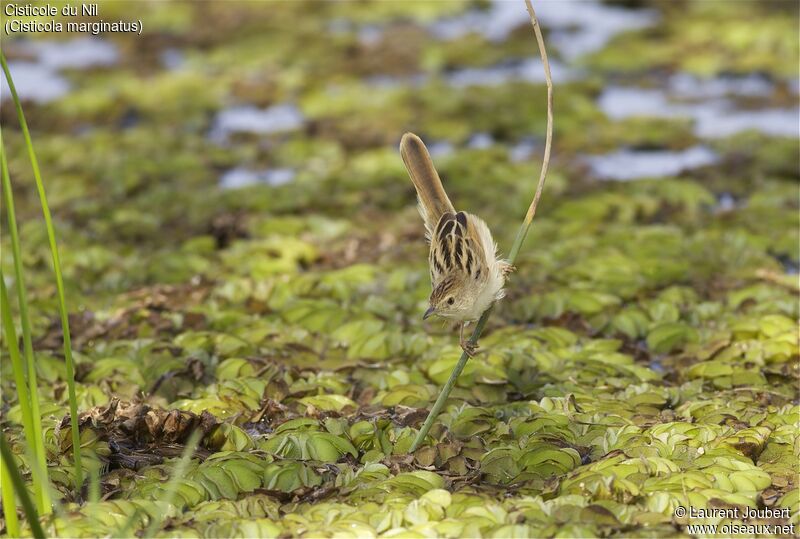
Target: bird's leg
(467, 346)
(506, 269)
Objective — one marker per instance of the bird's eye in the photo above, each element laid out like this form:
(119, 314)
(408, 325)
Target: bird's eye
(450, 301)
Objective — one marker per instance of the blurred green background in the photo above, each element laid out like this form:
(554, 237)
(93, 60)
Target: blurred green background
(237, 228)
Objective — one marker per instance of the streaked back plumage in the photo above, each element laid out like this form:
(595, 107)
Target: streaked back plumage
(466, 275)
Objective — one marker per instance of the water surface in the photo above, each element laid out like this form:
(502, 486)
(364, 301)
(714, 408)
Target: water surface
(250, 119)
(708, 103)
(626, 164)
(39, 77)
(240, 177)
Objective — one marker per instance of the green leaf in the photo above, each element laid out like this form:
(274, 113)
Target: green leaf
(669, 336)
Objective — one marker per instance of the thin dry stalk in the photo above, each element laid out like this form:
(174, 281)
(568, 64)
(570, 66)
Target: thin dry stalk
(549, 137)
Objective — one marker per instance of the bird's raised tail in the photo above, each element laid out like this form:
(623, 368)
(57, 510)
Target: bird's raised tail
(433, 201)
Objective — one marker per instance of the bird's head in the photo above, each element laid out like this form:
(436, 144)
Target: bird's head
(449, 299)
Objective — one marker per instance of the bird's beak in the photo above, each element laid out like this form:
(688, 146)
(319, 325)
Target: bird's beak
(428, 313)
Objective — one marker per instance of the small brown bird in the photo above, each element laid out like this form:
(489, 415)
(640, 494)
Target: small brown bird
(466, 274)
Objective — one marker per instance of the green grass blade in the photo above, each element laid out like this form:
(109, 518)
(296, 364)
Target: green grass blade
(8, 199)
(36, 441)
(51, 235)
(19, 488)
(9, 500)
(22, 389)
(6, 486)
(94, 479)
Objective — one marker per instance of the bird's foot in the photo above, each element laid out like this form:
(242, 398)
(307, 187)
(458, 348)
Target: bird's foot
(470, 348)
(507, 269)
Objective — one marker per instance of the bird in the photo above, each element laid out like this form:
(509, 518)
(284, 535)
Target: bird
(467, 275)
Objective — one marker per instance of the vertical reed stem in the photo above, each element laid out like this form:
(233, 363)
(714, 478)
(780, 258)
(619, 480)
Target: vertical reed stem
(20, 490)
(31, 400)
(62, 302)
(515, 248)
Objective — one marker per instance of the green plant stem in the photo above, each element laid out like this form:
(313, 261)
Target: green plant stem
(62, 303)
(35, 436)
(448, 386)
(94, 480)
(20, 490)
(9, 500)
(40, 482)
(515, 248)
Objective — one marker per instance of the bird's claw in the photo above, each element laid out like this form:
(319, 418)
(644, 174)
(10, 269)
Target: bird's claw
(469, 348)
(507, 269)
